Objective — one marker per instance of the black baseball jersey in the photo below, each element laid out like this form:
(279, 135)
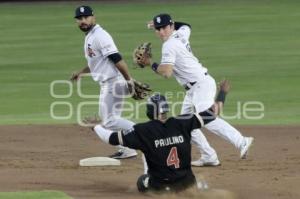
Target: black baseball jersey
(166, 145)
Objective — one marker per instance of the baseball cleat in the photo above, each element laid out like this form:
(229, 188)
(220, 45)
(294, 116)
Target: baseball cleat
(206, 163)
(143, 183)
(124, 154)
(245, 148)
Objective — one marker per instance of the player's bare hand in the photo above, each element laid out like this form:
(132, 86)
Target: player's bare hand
(75, 76)
(91, 121)
(130, 86)
(224, 86)
(150, 25)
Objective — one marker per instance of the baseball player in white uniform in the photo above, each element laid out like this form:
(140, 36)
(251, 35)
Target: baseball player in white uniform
(108, 69)
(178, 60)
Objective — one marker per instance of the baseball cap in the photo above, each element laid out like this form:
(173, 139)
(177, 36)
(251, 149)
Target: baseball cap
(83, 11)
(162, 20)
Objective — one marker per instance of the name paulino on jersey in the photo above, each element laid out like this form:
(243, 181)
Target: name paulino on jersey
(168, 141)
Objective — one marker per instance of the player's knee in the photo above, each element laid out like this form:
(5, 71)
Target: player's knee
(208, 116)
(143, 183)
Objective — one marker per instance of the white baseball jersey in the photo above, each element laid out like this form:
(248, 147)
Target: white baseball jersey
(177, 52)
(97, 46)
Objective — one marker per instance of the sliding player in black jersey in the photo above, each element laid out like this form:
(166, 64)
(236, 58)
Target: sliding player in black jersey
(165, 142)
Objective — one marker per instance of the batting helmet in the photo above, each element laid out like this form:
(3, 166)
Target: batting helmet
(156, 104)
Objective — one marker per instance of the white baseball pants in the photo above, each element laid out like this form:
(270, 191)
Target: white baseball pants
(112, 94)
(199, 98)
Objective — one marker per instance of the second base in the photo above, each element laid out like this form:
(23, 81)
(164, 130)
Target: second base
(99, 161)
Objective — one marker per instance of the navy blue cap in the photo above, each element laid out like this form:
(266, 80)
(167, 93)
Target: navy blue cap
(83, 11)
(162, 20)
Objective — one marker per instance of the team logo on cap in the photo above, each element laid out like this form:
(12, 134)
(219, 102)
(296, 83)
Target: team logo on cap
(82, 9)
(158, 19)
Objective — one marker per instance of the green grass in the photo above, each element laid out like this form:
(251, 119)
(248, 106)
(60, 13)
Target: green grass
(255, 44)
(34, 195)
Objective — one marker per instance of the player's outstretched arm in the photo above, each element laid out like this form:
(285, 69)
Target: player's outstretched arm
(165, 70)
(123, 68)
(142, 56)
(121, 65)
(76, 75)
(126, 138)
(95, 124)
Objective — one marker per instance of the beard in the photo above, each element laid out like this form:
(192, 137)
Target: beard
(86, 28)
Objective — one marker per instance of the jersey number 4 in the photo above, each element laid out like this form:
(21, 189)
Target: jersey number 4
(173, 158)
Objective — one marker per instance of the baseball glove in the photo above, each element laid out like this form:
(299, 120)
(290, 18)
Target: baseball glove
(142, 54)
(141, 90)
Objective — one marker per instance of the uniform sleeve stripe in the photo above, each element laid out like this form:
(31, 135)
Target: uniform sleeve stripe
(120, 137)
(199, 119)
(109, 53)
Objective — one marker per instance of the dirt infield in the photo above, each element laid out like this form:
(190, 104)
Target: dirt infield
(46, 158)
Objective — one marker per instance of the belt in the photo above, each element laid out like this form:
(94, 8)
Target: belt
(111, 79)
(189, 85)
